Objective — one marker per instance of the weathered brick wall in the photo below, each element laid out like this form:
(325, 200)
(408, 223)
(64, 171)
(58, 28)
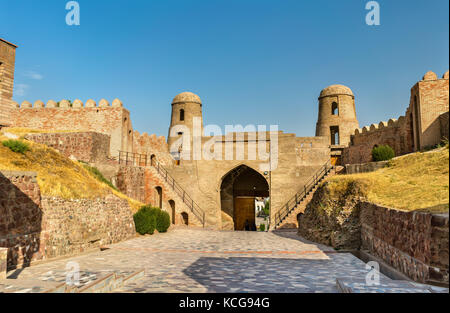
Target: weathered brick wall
(443, 122)
(20, 216)
(84, 146)
(74, 226)
(414, 243)
(130, 180)
(152, 180)
(152, 145)
(424, 124)
(110, 120)
(141, 183)
(36, 228)
(7, 63)
(439, 247)
(431, 97)
(395, 133)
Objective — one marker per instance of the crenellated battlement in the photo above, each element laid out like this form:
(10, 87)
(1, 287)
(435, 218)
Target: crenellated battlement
(152, 145)
(66, 104)
(381, 126)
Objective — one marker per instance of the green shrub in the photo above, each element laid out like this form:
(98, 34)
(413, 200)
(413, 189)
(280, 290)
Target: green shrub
(266, 208)
(382, 153)
(262, 227)
(97, 174)
(145, 220)
(16, 145)
(162, 221)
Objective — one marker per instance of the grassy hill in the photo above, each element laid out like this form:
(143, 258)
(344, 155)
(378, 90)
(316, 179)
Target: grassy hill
(411, 182)
(57, 175)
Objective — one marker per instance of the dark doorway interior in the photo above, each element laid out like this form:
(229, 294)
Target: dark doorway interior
(239, 189)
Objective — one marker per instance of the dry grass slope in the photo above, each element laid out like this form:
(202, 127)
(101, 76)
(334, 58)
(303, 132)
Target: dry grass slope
(418, 181)
(57, 175)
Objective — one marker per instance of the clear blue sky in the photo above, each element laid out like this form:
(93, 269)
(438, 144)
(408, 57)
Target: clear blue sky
(259, 62)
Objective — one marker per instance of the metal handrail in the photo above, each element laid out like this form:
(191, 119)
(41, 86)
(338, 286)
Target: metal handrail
(281, 214)
(136, 159)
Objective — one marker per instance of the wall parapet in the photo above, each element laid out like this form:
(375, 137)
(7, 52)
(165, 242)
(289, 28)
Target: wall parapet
(66, 104)
(391, 123)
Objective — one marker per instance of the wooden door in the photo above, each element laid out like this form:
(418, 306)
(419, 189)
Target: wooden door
(336, 160)
(244, 209)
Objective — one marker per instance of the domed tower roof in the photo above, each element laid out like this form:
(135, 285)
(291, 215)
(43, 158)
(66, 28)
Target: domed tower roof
(187, 97)
(336, 90)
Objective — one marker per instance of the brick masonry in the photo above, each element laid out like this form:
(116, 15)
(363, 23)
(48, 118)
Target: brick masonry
(424, 124)
(85, 146)
(109, 120)
(34, 227)
(131, 181)
(414, 243)
(7, 63)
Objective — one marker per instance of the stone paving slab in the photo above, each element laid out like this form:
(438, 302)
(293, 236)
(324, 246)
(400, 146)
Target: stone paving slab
(41, 278)
(192, 260)
(25, 286)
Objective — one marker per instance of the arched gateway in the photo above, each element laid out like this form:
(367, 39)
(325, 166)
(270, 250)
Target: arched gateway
(238, 191)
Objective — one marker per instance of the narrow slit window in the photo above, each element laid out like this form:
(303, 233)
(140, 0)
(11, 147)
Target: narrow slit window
(334, 109)
(181, 115)
(334, 132)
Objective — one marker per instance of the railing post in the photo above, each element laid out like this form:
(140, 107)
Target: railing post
(184, 193)
(203, 219)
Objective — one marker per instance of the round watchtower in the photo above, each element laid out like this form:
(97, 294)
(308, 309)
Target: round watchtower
(337, 115)
(186, 110)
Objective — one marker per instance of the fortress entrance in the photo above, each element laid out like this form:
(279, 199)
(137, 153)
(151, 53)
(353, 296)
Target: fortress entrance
(238, 191)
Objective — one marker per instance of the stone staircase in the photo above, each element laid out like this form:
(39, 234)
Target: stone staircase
(183, 201)
(171, 188)
(286, 216)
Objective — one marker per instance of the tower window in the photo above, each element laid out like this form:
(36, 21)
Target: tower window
(334, 109)
(334, 131)
(181, 115)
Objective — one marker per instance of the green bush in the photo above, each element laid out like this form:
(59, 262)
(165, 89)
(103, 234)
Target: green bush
(145, 220)
(97, 174)
(266, 208)
(382, 153)
(262, 227)
(162, 221)
(16, 145)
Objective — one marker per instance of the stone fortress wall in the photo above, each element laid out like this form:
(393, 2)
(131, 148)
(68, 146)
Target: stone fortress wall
(424, 124)
(35, 227)
(88, 147)
(337, 136)
(7, 63)
(105, 119)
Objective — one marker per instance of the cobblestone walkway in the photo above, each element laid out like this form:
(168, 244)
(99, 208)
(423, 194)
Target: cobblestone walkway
(188, 260)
